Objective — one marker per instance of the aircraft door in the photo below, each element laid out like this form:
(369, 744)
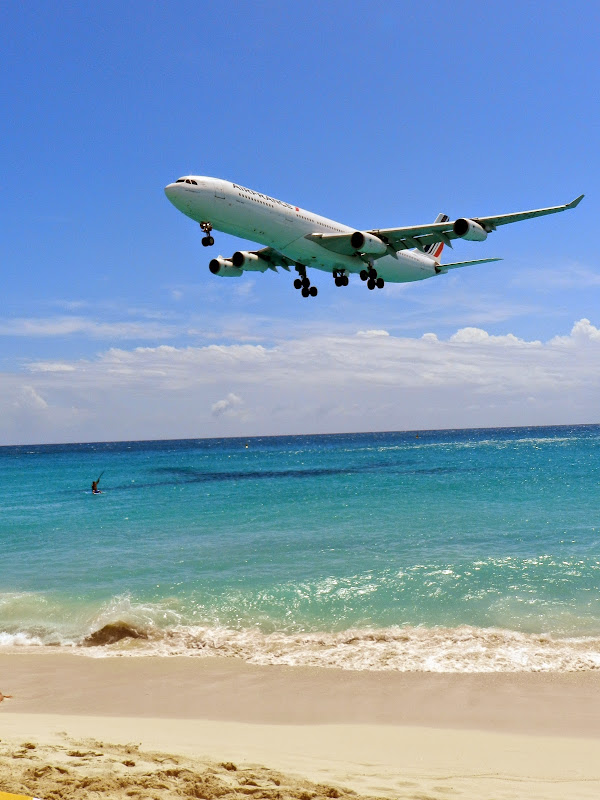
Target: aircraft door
(219, 190)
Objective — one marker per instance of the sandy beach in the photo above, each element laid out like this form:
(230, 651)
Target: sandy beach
(170, 727)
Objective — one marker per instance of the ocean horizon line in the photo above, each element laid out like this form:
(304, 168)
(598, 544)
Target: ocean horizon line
(479, 428)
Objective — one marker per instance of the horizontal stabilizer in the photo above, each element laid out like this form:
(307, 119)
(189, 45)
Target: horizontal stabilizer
(445, 267)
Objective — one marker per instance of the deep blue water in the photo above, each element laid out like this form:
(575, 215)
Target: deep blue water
(208, 545)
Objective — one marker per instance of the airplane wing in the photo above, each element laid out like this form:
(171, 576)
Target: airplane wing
(419, 236)
(335, 242)
(275, 259)
(251, 261)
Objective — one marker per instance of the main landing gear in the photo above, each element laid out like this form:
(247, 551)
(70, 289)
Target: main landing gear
(370, 276)
(304, 283)
(340, 277)
(207, 241)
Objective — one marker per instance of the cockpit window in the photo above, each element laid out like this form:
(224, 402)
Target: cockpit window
(180, 180)
(186, 180)
(195, 182)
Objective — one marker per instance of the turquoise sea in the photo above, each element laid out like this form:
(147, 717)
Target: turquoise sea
(465, 550)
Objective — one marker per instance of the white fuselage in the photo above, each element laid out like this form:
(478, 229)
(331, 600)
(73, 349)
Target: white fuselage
(242, 212)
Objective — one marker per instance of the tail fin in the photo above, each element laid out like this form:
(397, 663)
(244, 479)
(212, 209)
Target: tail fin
(435, 250)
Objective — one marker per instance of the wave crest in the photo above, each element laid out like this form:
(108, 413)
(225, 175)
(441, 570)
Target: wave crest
(124, 627)
(402, 649)
(113, 632)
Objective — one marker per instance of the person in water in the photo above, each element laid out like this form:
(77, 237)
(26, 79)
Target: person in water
(95, 489)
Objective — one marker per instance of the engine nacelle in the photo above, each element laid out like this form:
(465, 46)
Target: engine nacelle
(367, 243)
(243, 259)
(223, 267)
(470, 230)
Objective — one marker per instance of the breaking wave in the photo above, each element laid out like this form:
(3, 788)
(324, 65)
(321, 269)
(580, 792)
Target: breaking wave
(123, 627)
(401, 649)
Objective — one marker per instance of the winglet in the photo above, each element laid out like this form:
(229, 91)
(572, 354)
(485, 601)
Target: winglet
(575, 202)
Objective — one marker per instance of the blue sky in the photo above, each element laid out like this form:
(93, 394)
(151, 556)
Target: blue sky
(374, 118)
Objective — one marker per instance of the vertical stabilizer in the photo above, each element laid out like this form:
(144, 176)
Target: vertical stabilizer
(435, 250)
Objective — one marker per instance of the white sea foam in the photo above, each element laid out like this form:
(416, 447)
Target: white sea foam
(403, 649)
(159, 629)
(19, 639)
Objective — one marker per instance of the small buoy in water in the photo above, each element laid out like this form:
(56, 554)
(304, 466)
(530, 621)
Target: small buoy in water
(247, 446)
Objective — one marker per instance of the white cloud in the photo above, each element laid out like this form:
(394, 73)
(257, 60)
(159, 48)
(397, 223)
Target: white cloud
(372, 334)
(50, 366)
(68, 326)
(451, 302)
(29, 398)
(72, 305)
(230, 405)
(244, 290)
(479, 336)
(470, 336)
(582, 332)
(570, 276)
(369, 380)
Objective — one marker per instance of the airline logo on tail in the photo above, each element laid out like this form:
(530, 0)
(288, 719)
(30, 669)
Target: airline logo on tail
(435, 250)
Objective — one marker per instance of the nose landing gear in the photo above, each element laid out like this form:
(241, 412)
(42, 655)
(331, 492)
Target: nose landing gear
(207, 241)
(303, 283)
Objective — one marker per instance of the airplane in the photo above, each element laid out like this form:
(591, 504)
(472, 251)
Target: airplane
(298, 239)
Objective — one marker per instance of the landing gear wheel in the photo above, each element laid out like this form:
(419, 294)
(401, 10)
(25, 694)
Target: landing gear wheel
(338, 281)
(210, 241)
(372, 273)
(345, 280)
(205, 240)
(380, 283)
(370, 283)
(303, 282)
(364, 274)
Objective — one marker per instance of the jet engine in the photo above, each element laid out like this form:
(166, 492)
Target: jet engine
(223, 267)
(470, 230)
(367, 243)
(243, 259)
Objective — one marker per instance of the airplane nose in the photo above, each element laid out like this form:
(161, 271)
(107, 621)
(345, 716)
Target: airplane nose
(177, 195)
(173, 192)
